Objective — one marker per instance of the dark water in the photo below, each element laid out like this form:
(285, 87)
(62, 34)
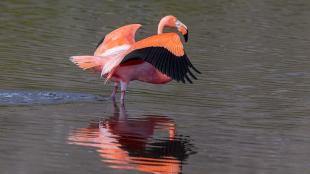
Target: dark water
(247, 113)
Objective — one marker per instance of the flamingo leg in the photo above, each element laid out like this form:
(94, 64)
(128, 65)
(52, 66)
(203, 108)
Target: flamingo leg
(123, 91)
(115, 87)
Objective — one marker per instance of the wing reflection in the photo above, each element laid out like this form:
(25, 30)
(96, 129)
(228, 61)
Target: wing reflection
(148, 143)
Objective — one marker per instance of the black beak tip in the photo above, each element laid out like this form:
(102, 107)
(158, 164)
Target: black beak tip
(186, 36)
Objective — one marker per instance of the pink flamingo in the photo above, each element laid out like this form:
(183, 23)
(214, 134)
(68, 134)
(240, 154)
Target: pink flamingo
(156, 59)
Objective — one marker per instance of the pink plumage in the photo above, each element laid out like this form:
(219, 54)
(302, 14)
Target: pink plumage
(157, 59)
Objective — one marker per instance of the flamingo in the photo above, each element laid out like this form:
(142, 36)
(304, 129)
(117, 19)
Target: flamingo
(157, 59)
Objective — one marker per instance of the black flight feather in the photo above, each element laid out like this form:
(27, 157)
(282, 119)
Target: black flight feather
(176, 67)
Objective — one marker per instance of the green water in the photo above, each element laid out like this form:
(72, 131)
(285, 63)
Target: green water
(247, 113)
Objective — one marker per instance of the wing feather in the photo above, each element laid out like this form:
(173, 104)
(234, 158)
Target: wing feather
(170, 41)
(166, 53)
(124, 35)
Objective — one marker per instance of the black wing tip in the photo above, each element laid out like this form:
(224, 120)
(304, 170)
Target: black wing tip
(195, 69)
(188, 79)
(186, 72)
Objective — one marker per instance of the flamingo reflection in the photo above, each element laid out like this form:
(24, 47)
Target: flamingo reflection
(129, 143)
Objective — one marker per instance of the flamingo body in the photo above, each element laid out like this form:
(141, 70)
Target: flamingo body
(144, 72)
(156, 59)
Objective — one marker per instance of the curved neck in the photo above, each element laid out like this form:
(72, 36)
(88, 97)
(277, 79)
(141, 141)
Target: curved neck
(161, 27)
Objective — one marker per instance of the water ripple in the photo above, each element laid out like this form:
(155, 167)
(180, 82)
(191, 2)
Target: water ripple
(8, 97)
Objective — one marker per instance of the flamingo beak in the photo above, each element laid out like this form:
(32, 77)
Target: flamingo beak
(186, 36)
(183, 29)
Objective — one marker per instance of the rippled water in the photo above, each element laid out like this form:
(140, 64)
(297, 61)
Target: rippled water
(148, 143)
(247, 113)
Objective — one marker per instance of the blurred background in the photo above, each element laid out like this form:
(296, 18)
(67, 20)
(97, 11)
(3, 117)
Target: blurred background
(247, 113)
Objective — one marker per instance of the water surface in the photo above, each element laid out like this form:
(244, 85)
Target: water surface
(247, 113)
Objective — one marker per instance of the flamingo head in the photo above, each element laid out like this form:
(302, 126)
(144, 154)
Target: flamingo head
(172, 22)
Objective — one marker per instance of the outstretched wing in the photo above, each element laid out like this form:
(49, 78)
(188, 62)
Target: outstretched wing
(166, 53)
(122, 36)
(109, 49)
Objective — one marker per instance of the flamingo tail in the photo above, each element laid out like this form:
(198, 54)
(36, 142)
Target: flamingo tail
(107, 65)
(87, 62)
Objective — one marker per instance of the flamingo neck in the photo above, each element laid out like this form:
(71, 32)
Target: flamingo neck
(161, 26)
